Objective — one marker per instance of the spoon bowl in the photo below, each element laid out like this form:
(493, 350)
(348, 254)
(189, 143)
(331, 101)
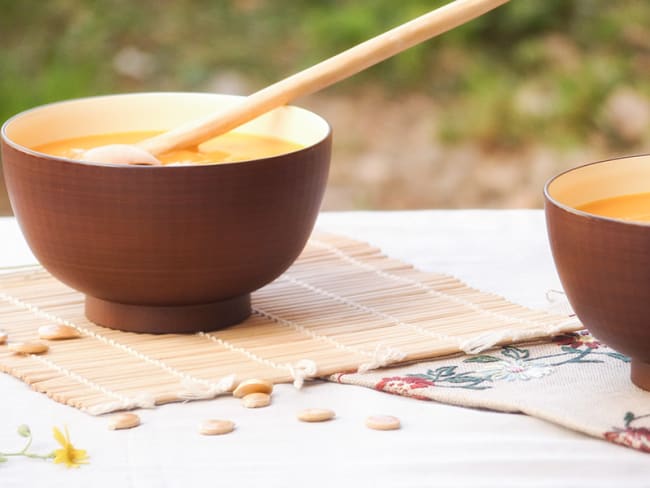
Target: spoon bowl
(121, 154)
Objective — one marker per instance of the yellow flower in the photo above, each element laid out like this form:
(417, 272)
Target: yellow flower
(72, 457)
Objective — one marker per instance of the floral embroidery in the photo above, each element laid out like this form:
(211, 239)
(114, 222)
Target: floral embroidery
(445, 376)
(404, 385)
(577, 340)
(515, 369)
(634, 437)
(570, 354)
(511, 364)
(516, 364)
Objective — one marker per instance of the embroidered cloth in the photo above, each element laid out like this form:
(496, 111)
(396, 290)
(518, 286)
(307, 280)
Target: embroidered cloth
(573, 380)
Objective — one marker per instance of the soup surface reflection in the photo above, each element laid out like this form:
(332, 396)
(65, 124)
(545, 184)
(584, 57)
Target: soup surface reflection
(230, 147)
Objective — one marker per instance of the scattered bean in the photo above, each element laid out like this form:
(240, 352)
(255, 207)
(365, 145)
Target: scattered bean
(28, 347)
(3, 336)
(383, 422)
(256, 400)
(253, 386)
(56, 332)
(216, 427)
(316, 415)
(123, 421)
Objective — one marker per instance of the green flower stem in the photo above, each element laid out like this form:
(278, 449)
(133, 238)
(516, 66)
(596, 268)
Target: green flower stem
(39, 456)
(23, 452)
(29, 455)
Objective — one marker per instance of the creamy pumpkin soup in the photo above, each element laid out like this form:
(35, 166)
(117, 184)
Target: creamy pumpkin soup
(230, 147)
(634, 207)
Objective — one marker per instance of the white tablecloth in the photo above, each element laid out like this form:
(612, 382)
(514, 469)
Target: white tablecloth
(439, 445)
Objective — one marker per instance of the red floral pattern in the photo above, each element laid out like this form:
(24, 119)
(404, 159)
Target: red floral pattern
(577, 339)
(636, 438)
(404, 385)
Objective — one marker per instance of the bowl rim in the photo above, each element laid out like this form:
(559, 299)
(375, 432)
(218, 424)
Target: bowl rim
(134, 167)
(581, 213)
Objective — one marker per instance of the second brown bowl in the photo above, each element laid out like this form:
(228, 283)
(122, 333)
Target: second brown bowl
(604, 263)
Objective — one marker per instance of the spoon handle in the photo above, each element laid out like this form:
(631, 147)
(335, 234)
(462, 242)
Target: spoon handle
(323, 74)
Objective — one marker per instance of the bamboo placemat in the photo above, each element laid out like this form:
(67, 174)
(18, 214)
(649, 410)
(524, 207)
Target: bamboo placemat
(342, 306)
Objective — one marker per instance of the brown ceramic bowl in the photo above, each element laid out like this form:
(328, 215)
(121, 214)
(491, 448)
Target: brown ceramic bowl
(604, 263)
(163, 249)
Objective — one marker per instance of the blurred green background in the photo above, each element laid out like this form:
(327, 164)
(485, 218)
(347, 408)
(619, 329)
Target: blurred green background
(479, 117)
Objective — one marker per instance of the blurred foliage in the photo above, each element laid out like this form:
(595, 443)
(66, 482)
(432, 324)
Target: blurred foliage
(569, 53)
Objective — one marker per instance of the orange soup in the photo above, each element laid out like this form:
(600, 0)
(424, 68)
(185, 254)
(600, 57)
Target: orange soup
(626, 207)
(230, 147)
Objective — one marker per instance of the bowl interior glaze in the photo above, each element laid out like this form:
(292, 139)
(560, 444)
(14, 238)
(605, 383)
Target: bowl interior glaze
(151, 112)
(597, 181)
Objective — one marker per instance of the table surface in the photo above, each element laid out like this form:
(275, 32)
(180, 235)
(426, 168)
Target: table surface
(502, 251)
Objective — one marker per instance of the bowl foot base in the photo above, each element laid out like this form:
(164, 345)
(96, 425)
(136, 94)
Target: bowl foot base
(168, 319)
(640, 374)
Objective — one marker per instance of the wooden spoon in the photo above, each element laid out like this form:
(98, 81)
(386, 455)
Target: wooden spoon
(305, 82)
